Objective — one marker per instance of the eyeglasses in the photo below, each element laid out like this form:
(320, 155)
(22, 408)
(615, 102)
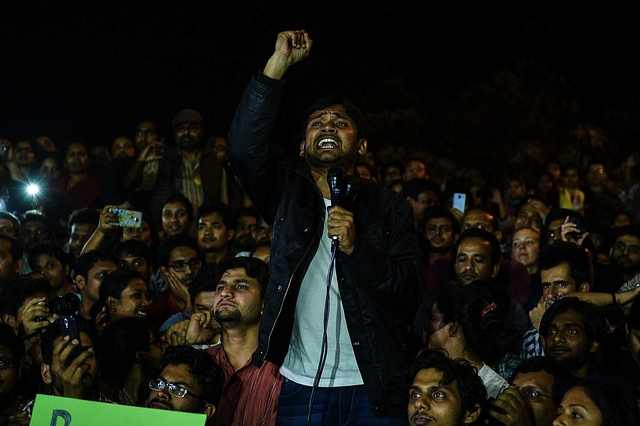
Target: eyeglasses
(175, 390)
(530, 392)
(181, 265)
(6, 364)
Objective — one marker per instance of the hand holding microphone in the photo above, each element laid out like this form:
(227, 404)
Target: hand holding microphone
(340, 223)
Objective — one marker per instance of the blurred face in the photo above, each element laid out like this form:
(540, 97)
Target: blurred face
(433, 403)
(53, 270)
(188, 136)
(571, 178)
(263, 253)
(537, 388)
(626, 253)
(90, 376)
(8, 268)
(473, 261)
(554, 231)
(577, 408)
(390, 174)
(145, 133)
(122, 147)
(77, 158)
(175, 218)
(525, 247)
(135, 262)
(515, 190)
(528, 216)
(7, 228)
(134, 302)
(621, 220)
(8, 375)
(179, 375)
(557, 281)
(364, 171)
(183, 256)
(434, 335)
(440, 234)
(238, 299)
(566, 342)
(80, 234)
(213, 235)
(596, 174)
(263, 232)
(46, 144)
(425, 200)
(415, 169)
(141, 234)
(49, 169)
(24, 153)
(95, 276)
(219, 147)
(245, 236)
(545, 184)
(33, 233)
(477, 219)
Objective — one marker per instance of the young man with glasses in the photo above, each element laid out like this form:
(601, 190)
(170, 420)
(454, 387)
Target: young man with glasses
(188, 381)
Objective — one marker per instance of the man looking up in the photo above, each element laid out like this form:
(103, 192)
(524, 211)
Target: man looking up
(377, 270)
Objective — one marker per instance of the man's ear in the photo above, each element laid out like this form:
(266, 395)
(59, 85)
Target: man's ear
(209, 409)
(112, 303)
(584, 287)
(18, 265)
(498, 235)
(230, 234)
(9, 319)
(495, 269)
(594, 346)
(472, 416)
(45, 371)
(302, 148)
(362, 147)
(452, 328)
(80, 282)
(411, 201)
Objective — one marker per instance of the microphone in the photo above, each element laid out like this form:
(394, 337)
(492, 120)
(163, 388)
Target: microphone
(335, 179)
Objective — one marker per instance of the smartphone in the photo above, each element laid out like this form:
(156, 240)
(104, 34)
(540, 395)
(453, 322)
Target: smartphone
(127, 218)
(459, 201)
(167, 151)
(69, 327)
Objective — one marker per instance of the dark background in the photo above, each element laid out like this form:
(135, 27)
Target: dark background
(450, 79)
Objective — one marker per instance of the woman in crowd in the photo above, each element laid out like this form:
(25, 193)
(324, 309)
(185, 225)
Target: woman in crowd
(177, 215)
(597, 404)
(525, 247)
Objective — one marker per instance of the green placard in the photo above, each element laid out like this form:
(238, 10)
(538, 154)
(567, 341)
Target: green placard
(59, 411)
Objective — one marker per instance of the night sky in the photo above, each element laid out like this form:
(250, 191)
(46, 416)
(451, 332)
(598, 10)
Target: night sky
(91, 70)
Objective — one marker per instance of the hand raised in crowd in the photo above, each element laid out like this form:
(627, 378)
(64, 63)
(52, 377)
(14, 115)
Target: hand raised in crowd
(341, 225)
(20, 419)
(149, 153)
(107, 219)
(535, 315)
(177, 334)
(539, 207)
(71, 375)
(179, 290)
(291, 48)
(200, 330)
(35, 318)
(571, 232)
(102, 320)
(512, 409)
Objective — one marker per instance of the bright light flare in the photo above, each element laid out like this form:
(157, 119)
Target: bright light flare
(33, 189)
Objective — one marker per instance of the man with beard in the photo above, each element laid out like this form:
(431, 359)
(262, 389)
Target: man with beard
(246, 227)
(625, 252)
(188, 380)
(190, 171)
(442, 231)
(375, 277)
(215, 231)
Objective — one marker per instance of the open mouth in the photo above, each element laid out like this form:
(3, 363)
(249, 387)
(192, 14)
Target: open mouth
(327, 143)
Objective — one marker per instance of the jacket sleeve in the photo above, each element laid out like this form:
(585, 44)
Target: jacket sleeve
(389, 268)
(249, 139)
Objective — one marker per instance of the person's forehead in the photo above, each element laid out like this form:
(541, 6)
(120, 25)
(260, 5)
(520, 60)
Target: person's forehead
(83, 228)
(174, 206)
(629, 240)
(247, 219)
(137, 284)
(430, 377)
(33, 225)
(236, 274)
(5, 353)
(6, 222)
(5, 247)
(183, 253)
(541, 379)
(474, 245)
(474, 217)
(526, 233)
(554, 224)
(130, 256)
(334, 110)
(214, 217)
(181, 374)
(205, 298)
(146, 125)
(561, 271)
(569, 317)
(439, 221)
(46, 257)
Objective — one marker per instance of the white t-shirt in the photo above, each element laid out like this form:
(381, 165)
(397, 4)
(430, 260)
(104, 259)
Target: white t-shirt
(302, 360)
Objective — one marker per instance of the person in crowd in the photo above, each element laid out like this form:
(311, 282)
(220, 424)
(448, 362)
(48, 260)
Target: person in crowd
(89, 270)
(121, 147)
(625, 361)
(547, 189)
(215, 232)
(571, 196)
(445, 392)
(129, 353)
(177, 215)
(466, 323)
(108, 234)
(50, 261)
(82, 224)
(187, 380)
(597, 404)
(378, 284)
(531, 212)
(50, 167)
(135, 254)
(415, 168)
(11, 261)
(9, 224)
(525, 249)
(625, 252)
(25, 157)
(244, 237)
(36, 228)
(422, 194)
(513, 193)
(46, 144)
(77, 188)
(262, 251)
(600, 200)
(442, 230)
(11, 352)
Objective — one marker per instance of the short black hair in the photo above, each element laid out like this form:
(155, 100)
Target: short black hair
(562, 380)
(557, 214)
(13, 218)
(469, 385)
(179, 198)
(36, 216)
(116, 282)
(169, 243)
(16, 291)
(15, 248)
(616, 405)
(437, 212)
(417, 186)
(577, 258)
(485, 236)
(51, 249)
(493, 218)
(222, 209)
(205, 280)
(253, 267)
(202, 367)
(246, 211)
(595, 325)
(135, 248)
(350, 109)
(54, 331)
(87, 261)
(84, 215)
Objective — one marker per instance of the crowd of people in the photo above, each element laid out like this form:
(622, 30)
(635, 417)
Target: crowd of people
(212, 278)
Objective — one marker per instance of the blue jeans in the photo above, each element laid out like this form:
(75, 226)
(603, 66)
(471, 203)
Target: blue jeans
(343, 406)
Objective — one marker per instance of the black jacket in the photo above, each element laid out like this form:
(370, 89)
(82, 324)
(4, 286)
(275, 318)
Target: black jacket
(380, 282)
